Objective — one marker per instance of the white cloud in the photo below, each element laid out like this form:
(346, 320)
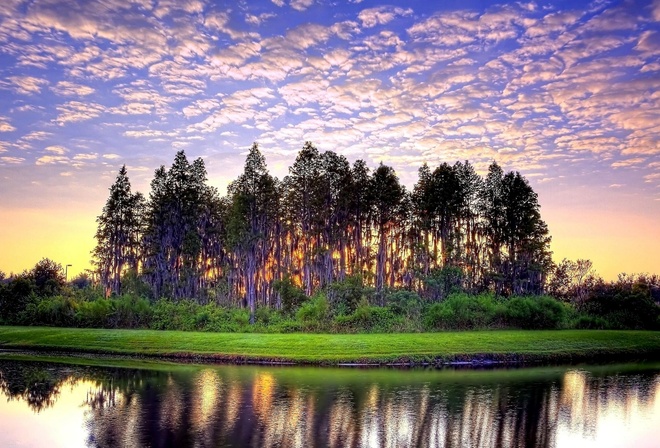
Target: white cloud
(27, 85)
(5, 125)
(381, 15)
(56, 149)
(75, 111)
(10, 160)
(655, 8)
(52, 160)
(301, 5)
(68, 88)
(259, 19)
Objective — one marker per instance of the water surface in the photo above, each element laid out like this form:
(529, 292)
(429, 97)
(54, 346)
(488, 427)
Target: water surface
(160, 405)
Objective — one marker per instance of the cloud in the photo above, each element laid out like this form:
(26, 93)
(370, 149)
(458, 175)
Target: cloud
(56, 149)
(259, 19)
(68, 88)
(381, 15)
(52, 160)
(628, 162)
(649, 42)
(10, 160)
(5, 125)
(301, 5)
(553, 23)
(149, 133)
(655, 10)
(75, 111)
(27, 85)
(219, 21)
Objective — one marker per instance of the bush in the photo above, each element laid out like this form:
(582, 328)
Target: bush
(535, 313)
(313, 313)
(57, 311)
(131, 312)
(345, 296)
(369, 318)
(625, 305)
(94, 314)
(291, 295)
(463, 311)
(586, 322)
(405, 303)
(169, 315)
(442, 282)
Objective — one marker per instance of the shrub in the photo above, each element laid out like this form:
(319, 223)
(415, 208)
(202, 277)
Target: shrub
(442, 282)
(625, 304)
(291, 295)
(345, 296)
(94, 314)
(534, 312)
(369, 318)
(169, 315)
(131, 312)
(586, 322)
(463, 311)
(405, 303)
(58, 311)
(312, 314)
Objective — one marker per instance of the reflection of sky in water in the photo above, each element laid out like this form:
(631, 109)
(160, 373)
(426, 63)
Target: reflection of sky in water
(216, 406)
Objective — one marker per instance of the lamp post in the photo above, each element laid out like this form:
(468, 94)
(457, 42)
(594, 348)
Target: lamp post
(66, 272)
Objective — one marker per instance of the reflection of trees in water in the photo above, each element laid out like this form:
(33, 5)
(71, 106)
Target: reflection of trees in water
(263, 407)
(583, 397)
(37, 385)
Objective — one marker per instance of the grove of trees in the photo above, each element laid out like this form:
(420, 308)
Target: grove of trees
(332, 247)
(325, 221)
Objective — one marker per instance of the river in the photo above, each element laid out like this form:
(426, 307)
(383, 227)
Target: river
(48, 403)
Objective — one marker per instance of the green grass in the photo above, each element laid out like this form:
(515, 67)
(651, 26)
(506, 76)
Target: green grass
(337, 348)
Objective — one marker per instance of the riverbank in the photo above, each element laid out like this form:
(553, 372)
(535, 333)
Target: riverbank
(478, 347)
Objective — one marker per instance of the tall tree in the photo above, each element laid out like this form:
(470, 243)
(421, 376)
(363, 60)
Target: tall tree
(252, 222)
(179, 220)
(304, 197)
(118, 233)
(387, 194)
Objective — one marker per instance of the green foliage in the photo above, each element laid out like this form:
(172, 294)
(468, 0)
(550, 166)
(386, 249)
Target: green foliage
(535, 313)
(462, 312)
(130, 311)
(313, 313)
(291, 295)
(440, 283)
(344, 296)
(586, 322)
(48, 277)
(369, 318)
(94, 314)
(405, 303)
(56, 311)
(15, 295)
(624, 304)
(134, 284)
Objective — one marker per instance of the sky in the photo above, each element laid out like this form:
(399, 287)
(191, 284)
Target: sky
(566, 92)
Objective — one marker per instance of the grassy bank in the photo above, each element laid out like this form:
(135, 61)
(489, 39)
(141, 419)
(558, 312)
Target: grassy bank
(337, 348)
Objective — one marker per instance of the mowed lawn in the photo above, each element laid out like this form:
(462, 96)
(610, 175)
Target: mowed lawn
(335, 348)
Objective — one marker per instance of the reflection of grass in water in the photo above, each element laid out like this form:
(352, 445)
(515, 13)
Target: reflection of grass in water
(313, 376)
(333, 348)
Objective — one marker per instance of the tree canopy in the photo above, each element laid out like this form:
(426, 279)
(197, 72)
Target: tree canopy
(324, 221)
